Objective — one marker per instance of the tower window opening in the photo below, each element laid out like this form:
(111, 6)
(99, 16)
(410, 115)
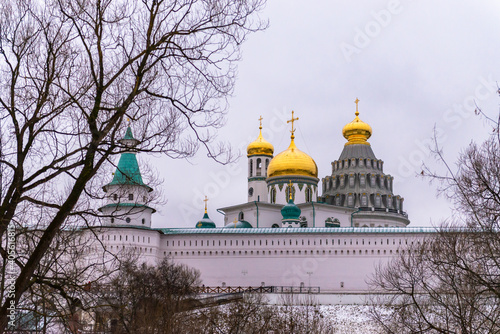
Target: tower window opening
(273, 195)
(308, 194)
(130, 197)
(259, 167)
(241, 216)
(250, 169)
(115, 197)
(143, 221)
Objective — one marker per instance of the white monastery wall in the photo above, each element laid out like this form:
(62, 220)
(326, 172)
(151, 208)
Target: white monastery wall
(336, 262)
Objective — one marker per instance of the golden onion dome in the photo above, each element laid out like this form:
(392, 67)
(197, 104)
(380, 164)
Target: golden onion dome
(357, 132)
(292, 161)
(260, 146)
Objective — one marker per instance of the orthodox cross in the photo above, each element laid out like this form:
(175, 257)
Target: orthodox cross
(357, 101)
(260, 120)
(292, 120)
(205, 200)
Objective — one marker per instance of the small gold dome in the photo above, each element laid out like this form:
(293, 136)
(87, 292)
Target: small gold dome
(357, 132)
(260, 146)
(292, 161)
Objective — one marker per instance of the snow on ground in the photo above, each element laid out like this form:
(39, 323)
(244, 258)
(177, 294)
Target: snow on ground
(347, 319)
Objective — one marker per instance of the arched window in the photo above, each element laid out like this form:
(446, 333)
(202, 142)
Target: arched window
(267, 165)
(275, 226)
(130, 197)
(250, 168)
(143, 221)
(308, 194)
(115, 197)
(273, 195)
(241, 216)
(259, 167)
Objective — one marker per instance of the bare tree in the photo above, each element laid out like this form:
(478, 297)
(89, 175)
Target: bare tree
(145, 299)
(450, 283)
(73, 71)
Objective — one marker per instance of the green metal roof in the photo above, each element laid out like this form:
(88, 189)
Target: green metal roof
(205, 222)
(128, 134)
(127, 172)
(299, 230)
(290, 211)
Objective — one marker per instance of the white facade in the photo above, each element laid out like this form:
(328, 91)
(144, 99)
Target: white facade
(334, 259)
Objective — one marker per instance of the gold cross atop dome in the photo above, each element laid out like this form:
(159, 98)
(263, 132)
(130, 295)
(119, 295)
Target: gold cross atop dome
(292, 120)
(357, 101)
(235, 220)
(205, 200)
(260, 121)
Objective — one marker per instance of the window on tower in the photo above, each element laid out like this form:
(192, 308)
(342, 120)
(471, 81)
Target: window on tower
(250, 168)
(259, 167)
(130, 197)
(115, 197)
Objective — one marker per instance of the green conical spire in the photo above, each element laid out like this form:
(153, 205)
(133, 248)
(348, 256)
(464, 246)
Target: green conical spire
(128, 172)
(128, 134)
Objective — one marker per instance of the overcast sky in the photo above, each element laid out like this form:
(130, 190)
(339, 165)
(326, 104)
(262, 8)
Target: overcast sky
(414, 65)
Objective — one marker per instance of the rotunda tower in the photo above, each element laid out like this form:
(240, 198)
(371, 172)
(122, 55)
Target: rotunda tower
(358, 181)
(259, 153)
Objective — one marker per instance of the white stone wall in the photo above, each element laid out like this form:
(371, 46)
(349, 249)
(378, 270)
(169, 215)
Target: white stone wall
(336, 262)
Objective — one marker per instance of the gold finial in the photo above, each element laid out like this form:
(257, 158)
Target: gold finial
(357, 101)
(205, 200)
(260, 121)
(292, 120)
(235, 220)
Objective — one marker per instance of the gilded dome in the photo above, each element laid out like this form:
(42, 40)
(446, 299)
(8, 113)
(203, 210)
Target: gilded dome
(357, 132)
(292, 161)
(260, 146)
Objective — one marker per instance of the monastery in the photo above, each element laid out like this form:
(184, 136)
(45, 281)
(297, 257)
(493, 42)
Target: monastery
(287, 234)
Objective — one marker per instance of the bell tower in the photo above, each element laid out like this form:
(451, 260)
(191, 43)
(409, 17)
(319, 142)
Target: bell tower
(259, 153)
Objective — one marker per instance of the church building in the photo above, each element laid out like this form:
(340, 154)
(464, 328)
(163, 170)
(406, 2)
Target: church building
(288, 233)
